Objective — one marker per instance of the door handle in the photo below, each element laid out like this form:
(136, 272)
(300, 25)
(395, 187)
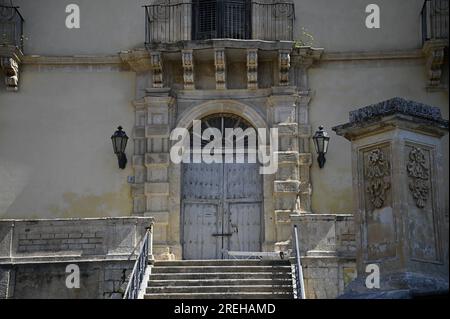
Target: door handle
(223, 235)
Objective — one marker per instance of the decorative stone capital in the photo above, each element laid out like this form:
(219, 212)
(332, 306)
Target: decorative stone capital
(137, 60)
(10, 59)
(434, 51)
(252, 68)
(221, 72)
(187, 58)
(156, 65)
(285, 66)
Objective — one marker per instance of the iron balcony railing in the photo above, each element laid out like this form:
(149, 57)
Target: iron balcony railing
(435, 20)
(138, 273)
(218, 19)
(11, 26)
(299, 287)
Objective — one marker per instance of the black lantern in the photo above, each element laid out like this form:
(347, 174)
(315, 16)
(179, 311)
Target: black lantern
(119, 141)
(321, 140)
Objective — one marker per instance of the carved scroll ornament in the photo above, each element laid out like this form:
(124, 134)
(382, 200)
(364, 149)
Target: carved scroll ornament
(377, 171)
(419, 176)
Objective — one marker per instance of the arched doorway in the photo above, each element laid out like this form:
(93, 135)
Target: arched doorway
(221, 203)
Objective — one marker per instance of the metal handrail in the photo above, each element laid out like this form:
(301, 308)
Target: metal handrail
(137, 275)
(299, 289)
(173, 22)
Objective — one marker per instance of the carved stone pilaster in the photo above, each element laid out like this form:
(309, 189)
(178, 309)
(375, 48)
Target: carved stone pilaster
(252, 68)
(284, 65)
(10, 59)
(187, 58)
(156, 62)
(220, 64)
(434, 51)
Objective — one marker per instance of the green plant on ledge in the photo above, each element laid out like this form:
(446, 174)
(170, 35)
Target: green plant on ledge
(306, 39)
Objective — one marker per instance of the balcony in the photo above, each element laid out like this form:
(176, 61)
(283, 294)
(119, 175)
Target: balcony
(11, 44)
(11, 26)
(434, 17)
(435, 20)
(219, 19)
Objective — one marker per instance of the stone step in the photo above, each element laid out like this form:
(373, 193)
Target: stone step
(220, 275)
(221, 289)
(220, 295)
(169, 282)
(223, 262)
(209, 269)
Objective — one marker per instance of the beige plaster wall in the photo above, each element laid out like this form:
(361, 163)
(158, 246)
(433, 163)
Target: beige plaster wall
(56, 157)
(109, 26)
(340, 25)
(106, 26)
(340, 87)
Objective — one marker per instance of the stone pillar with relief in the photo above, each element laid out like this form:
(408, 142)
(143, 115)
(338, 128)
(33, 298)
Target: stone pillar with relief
(397, 160)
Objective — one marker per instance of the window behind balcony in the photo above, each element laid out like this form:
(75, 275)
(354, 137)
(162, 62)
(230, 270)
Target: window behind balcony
(221, 19)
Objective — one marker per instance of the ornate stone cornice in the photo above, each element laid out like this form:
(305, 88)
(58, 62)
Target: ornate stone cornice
(306, 56)
(396, 112)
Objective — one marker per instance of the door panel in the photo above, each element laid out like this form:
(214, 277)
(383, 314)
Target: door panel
(245, 224)
(200, 223)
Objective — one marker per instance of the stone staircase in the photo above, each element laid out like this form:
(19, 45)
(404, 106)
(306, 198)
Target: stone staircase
(220, 279)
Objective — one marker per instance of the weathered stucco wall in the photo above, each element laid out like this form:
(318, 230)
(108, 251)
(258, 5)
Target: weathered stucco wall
(340, 25)
(341, 87)
(106, 26)
(56, 157)
(109, 26)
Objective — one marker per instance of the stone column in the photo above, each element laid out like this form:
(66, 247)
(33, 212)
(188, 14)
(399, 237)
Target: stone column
(398, 193)
(286, 183)
(151, 165)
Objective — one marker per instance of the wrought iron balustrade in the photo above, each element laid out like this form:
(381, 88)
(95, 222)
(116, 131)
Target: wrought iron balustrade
(435, 20)
(218, 19)
(299, 288)
(11, 26)
(137, 275)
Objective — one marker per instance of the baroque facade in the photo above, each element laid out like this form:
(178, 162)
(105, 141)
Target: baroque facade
(286, 65)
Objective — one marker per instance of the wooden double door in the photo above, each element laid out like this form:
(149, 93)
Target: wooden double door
(221, 208)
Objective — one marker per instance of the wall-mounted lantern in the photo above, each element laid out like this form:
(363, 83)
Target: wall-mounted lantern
(321, 140)
(119, 141)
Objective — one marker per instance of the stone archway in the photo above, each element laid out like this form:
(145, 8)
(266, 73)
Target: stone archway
(176, 172)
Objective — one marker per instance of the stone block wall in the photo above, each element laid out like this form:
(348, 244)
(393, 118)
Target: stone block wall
(34, 255)
(328, 253)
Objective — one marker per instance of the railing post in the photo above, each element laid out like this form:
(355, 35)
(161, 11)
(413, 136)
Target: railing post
(299, 268)
(150, 243)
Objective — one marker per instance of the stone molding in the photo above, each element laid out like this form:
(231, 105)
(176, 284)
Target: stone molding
(137, 60)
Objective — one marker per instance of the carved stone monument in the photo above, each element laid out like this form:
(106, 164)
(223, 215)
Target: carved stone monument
(400, 221)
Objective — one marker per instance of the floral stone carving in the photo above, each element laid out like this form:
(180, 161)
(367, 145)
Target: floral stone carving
(377, 171)
(419, 176)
